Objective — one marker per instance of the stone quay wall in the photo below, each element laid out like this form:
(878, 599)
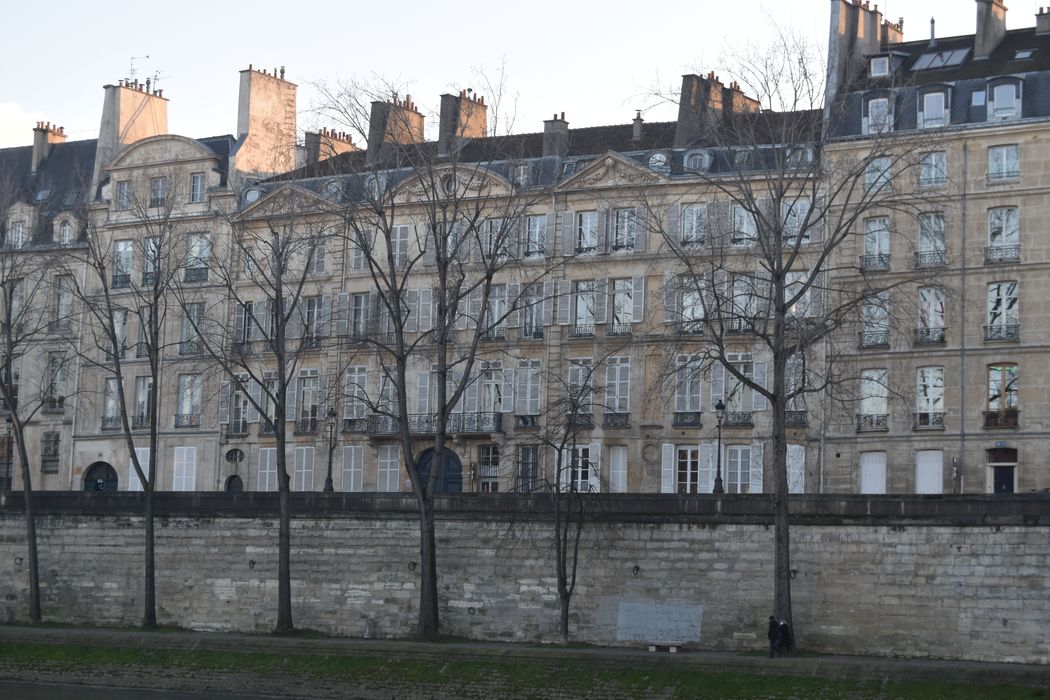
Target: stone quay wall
(943, 576)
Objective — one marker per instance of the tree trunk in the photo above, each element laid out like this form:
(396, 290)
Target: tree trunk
(781, 535)
(428, 594)
(284, 569)
(149, 616)
(34, 560)
(563, 628)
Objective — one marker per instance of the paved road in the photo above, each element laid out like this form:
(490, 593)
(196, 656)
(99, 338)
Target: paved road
(45, 691)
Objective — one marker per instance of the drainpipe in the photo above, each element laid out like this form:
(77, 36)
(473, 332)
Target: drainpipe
(961, 466)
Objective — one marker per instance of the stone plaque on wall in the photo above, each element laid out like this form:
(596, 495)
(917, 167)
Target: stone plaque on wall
(651, 621)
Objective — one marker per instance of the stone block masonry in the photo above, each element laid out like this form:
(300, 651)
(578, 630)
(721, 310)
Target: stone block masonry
(950, 577)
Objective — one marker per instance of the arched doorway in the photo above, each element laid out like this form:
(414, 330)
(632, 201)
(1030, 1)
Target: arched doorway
(100, 476)
(234, 484)
(450, 480)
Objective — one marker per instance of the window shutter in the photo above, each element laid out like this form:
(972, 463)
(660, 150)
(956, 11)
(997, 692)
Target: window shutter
(238, 321)
(705, 482)
(568, 234)
(507, 398)
(514, 235)
(224, 403)
(470, 403)
(323, 398)
(513, 304)
(669, 297)
(564, 467)
(352, 467)
(521, 394)
(429, 247)
(603, 230)
(595, 471)
(423, 392)
(325, 327)
(758, 401)
(295, 320)
(641, 231)
(290, 398)
(796, 468)
(261, 320)
(426, 309)
(548, 303)
(638, 299)
(674, 224)
(718, 383)
(548, 233)
(681, 384)
(667, 468)
(342, 314)
(255, 395)
(411, 300)
(564, 302)
(601, 300)
(756, 468)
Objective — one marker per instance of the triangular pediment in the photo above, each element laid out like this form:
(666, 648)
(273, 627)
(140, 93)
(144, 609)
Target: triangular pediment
(286, 200)
(612, 170)
(470, 180)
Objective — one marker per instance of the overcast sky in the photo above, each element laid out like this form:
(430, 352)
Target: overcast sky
(595, 61)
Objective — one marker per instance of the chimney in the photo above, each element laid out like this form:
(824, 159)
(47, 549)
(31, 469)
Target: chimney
(699, 108)
(1042, 21)
(892, 33)
(45, 136)
(636, 132)
(396, 122)
(266, 124)
(735, 101)
(556, 136)
(326, 143)
(130, 113)
(463, 117)
(857, 31)
(991, 27)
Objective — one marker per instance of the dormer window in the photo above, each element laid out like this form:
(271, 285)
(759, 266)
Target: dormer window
(251, 196)
(333, 190)
(741, 159)
(658, 162)
(880, 66)
(933, 109)
(19, 234)
(1004, 100)
(878, 115)
(375, 185)
(697, 162)
(521, 175)
(42, 195)
(65, 232)
(1023, 54)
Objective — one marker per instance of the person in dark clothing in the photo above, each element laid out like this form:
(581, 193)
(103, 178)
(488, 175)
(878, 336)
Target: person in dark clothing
(773, 633)
(785, 640)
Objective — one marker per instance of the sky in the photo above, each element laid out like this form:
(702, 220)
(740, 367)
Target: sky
(596, 61)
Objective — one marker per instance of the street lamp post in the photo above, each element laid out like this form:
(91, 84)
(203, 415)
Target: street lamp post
(720, 412)
(330, 421)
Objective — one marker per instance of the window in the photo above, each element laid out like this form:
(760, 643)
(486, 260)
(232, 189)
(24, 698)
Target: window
(121, 264)
(528, 467)
(532, 311)
(158, 191)
(528, 388)
(449, 185)
(688, 468)
(694, 224)
(355, 399)
(198, 255)
(687, 388)
(521, 175)
(583, 308)
(741, 159)
(134, 482)
(1005, 101)
(880, 116)
(190, 341)
(874, 400)
(150, 258)
(313, 321)
(1023, 54)
(618, 469)
(697, 162)
(933, 169)
(738, 469)
(941, 59)
(19, 235)
(124, 194)
(880, 66)
(931, 251)
(110, 405)
(1002, 393)
(495, 235)
(63, 301)
(618, 385)
(190, 400)
(143, 402)
(359, 312)
(929, 397)
(119, 320)
(929, 471)
(876, 244)
(1003, 236)
(375, 185)
(658, 161)
(309, 400)
(622, 306)
(492, 386)
(933, 110)
(488, 468)
(580, 467)
(353, 467)
(873, 472)
(875, 321)
(586, 232)
(65, 232)
(496, 314)
(796, 215)
(535, 236)
(795, 284)
(580, 388)
(55, 381)
(267, 469)
(744, 303)
(1003, 313)
(389, 468)
(197, 187)
(303, 477)
(399, 245)
(745, 226)
(623, 235)
(977, 98)
(692, 306)
(877, 174)
(931, 316)
(333, 190)
(316, 262)
(184, 476)
(1004, 162)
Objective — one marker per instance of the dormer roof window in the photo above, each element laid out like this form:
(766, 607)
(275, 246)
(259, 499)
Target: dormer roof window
(878, 115)
(1004, 99)
(934, 109)
(1023, 54)
(879, 67)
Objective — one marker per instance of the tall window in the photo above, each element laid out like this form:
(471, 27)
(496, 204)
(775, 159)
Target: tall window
(120, 333)
(158, 191)
(353, 467)
(150, 258)
(111, 403)
(929, 397)
(931, 315)
(580, 468)
(124, 194)
(184, 474)
(313, 320)
(190, 337)
(355, 400)
(618, 385)
(267, 469)
(796, 214)
(694, 224)
(931, 240)
(488, 468)
(63, 301)
(618, 469)
(688, 468)
(496, 314)
(795, 285)
(121, 263)
(190, 401)
(535, 235)
(1003, 313)
(586, 232)
(580, 387)
(359, 308)
(622, 305)
(197, 187)
(876, 243)
(624, 229)
(315, 263)
(143, 401)
(745, 226)
(528, 467)
(875, 320)
(583, 302)
(874, 399)
(1004, 162)
(494, 239)
(491, 387)
(738, 469)
(532, 311)
(309, 400)
(55, 379)
(198, 254)
(528, 388)
(877, 174)
(1003, 235)
(1002, 388)
(744, 303)
(65, 232)
(303, 477)
(399, 245)
(687, 384)
(389, 468)
(933, 169)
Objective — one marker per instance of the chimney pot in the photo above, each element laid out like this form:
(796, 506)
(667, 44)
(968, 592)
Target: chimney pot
(282, 72)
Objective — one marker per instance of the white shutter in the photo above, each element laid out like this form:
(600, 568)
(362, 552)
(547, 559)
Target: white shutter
(548, 244)
(603, 230)
(521, 393)
(411, 301)
(667, 468)
(564, 302)
(618, 469)
(638, 299)
(325, 326)
(756, 468)
(342, 314)
(470, 402)
(673, 224)
(423, 392)
(681, 384)
(290, 398)
(706, 478)
(255, 393)
(267, 469)
(184, 474)
(669, 297)
(353, 467)
(507, 395)
(796, 468)
(718, 383)
(758, 401)
(548, 303)
(568, 234)
(513, 304)
(304, 469)
(224, 403)
(929, 471)
(426, 309)
(595, 471)
(601, 300)
(873, 472)
(564, 467)
(134, 484)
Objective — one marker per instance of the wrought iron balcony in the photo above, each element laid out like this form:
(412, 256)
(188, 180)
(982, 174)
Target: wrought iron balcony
(306, 425)
(928, 421)
(121, 280)
(738, 419)
(110, 423)
(929, 336)
(874, 339)
(190, 347)
(54, 404)
(141, 350)
(796, 419)
(533, 333)
(686, 419)
(875, 263)
(526, 422)
(873, 423)
(581, 420)
(693, 327)
(739, 326)
(149, 279)
(426, 424)
(929, 259)
(1003, 174)
(616, 420)
(1008, 332)
(582, 330)
(237, 429)
(187, 420)
(618, 329)
(195, 274)
(139, 422)
(354, 425)
(1004, 418)
(1002, 254)
(311, 342)
(494, 334)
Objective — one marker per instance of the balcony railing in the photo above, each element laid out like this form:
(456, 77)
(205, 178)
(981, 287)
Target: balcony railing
(354, 425)
(534, 333)
(739, 326)
(141, 350)
(1002, 332)
(618, 329)
(1005, 418)
(139, 422)
(1002, 254)
(928, 421)
(54, 404)
(110, 423)
(494, 334)
(1003, 174)
(267, 428)
(686, 419)
(796, 419)
(149, 279)
(874, 339)
(187, 420)
(616, 420)
(582, 330)
(738, 419)
(929, 336)
(62, 325)
(306, 425)
(925, 260)
(240, 348)
(311, 342)
(526, 422)
(195, 274)
(121, 280)
(691, 327)
(426, 424)
(875, 263)
(190, 347)
(581, 420)
(872, 422)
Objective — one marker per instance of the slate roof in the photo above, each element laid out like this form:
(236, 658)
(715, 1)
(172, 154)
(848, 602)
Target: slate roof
(64, 175)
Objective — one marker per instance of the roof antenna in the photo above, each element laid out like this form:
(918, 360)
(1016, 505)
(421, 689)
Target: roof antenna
(933, 35)
(131, 66)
